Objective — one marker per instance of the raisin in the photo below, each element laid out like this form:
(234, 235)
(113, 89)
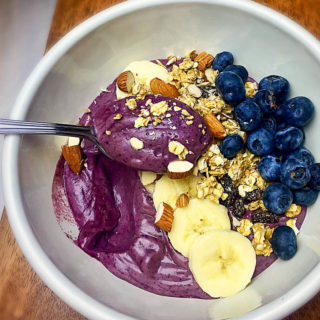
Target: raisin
(230, 189)
(229, 201)
(263, 216)
(226, 182)
(254, 195)
(238, 208)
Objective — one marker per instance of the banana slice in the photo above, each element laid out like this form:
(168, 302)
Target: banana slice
(199, 217)
(168, 190)
(144, 71)
(222, 262)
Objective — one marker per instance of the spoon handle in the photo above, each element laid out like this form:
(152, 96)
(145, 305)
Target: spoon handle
(9, 126)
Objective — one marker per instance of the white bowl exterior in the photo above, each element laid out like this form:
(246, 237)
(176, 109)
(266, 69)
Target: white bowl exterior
(68, 79)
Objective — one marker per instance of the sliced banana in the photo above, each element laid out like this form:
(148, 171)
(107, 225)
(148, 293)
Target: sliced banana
(168, 190)
(199, 217)
(147, 177)
(144, 71)
(222, 262)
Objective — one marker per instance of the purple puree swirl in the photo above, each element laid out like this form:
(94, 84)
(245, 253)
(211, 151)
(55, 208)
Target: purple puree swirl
(115, 215)
(154, 156)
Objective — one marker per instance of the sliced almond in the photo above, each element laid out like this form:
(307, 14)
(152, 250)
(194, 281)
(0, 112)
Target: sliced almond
(210, 75)
(164, 217)
(73, 157)
(194, 91)
(243, 135)
(215, 126)
(125, 81)
(73, 141)
(182, 201)
(179, 169)
(158, 86)
(205, 59)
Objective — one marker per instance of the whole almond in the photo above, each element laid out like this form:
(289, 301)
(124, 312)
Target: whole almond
(182, 201)
(164, 217)
(73, 157)
(215, 126)
(205, 59)
(125, 81)
(158, 86)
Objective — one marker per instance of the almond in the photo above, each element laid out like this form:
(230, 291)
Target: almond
(164, 217)
(215, 126)
(193, 54)
(182, 201)
(205, 59)
(179, 169)
(73, 141)
(125, 81)
(73, 157)
(194, 91)
(158, 86)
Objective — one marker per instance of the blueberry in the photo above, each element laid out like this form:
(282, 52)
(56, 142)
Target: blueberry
(284, 242)
(305, 196)
(231, 87)
(222, 60)
(282, 125)
(289, 139)
(260, 142)
(241, 71)
(278, 85)
(269, 124)
(266, 101)
(269, 168)
(231, 145)
(248, 114)
(302, 154)
(298, 111)
(295, 174)
(277, 198)
(315, 176)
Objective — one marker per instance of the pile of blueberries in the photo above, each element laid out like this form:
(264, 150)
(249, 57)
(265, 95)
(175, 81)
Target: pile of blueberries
(274, 127)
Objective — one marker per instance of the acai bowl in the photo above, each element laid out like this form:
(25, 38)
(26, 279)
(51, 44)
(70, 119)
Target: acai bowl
(75, 81)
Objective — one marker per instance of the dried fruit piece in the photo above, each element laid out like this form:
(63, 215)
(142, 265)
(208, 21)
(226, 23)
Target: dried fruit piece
(158, 86)
(205, 59)
(125, 81)
(238, 208)
(253, 195)
(193, 54)
(262, 216)
(73, 157)
(164, 217)
(215, 126)
(179, 169)
(182, 201)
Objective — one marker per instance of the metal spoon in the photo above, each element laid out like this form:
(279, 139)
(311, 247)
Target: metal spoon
(9, 126)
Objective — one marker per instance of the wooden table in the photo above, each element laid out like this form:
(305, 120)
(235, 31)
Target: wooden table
(22, 293)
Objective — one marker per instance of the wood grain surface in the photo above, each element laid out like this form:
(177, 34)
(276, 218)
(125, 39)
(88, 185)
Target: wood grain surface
(22, 293)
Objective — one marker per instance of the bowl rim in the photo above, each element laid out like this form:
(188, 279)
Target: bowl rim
(41, 263)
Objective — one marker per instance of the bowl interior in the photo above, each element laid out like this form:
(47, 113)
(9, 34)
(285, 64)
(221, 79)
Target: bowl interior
(91, 64)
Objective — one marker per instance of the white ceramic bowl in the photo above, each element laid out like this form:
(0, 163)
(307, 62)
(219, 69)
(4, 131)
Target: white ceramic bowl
(72, 74)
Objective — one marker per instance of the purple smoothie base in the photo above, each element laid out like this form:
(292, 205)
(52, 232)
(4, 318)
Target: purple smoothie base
(119, 230)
